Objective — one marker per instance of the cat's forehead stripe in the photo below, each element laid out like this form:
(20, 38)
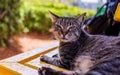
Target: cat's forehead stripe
(66, 21)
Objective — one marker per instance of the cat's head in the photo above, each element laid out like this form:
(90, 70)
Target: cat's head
(67, 29)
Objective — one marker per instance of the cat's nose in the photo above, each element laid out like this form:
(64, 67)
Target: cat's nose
(65, 32)
(63, 37)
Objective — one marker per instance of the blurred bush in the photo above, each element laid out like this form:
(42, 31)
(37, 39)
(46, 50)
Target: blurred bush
(18, 16)
(36, 16)
(9, 20)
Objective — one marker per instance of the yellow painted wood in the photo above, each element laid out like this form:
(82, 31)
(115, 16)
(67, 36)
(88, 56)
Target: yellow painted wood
(7, 71)
(117, 13)
(28, 63)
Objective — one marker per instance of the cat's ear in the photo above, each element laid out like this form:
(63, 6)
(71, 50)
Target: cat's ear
(81, 17)
(53, 17)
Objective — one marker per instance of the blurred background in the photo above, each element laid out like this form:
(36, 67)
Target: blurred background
(25, 24)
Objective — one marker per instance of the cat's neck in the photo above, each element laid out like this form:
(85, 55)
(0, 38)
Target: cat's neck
(83, 39)
(84, 36)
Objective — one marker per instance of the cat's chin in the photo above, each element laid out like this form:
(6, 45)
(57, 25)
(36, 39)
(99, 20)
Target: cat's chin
(67, 41)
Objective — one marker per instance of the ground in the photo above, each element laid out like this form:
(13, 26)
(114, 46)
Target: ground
(25, 42)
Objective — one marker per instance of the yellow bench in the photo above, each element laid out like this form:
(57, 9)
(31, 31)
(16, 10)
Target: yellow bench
(27, 63)
(117, 13)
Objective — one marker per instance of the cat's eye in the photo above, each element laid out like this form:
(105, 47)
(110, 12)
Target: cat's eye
(58, 27)
(70, 28)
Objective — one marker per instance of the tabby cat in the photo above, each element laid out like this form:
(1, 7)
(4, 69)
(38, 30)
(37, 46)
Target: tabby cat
(80, 52)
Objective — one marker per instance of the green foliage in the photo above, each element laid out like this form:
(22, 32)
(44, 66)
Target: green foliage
(36, 16)
(9, 20)
(18, 16)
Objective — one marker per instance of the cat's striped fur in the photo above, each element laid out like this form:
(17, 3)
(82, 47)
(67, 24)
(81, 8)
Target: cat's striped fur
(82, 53)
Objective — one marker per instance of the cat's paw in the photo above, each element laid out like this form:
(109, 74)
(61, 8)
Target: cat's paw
(40, 71)
(49, 71)
(45, 58)
(46, 71)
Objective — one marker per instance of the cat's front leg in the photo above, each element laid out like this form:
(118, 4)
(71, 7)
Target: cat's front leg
(53, 61)
(46, 59)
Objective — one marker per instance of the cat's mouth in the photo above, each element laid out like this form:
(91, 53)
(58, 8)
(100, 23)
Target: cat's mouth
(64, 40)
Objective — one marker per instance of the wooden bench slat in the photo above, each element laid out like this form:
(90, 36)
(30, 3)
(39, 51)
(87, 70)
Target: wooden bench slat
(27, 63)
